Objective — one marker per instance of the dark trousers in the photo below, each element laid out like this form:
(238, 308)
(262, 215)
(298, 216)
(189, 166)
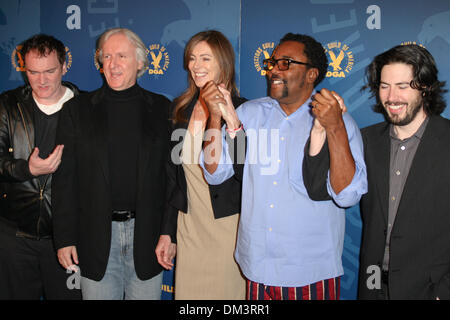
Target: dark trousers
(29, 270)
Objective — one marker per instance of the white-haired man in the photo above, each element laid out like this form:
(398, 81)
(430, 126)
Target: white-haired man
(110, 188)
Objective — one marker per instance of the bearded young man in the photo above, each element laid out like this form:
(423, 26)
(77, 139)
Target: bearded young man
(406, 220)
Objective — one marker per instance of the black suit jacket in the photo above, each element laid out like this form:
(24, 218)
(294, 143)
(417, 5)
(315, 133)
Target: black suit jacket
(225, 198)
(81, 187)
(420, 241)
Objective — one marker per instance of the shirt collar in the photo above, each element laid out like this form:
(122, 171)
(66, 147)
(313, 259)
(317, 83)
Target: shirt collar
(303, 108)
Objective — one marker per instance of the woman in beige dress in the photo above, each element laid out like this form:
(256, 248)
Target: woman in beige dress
(201, 219)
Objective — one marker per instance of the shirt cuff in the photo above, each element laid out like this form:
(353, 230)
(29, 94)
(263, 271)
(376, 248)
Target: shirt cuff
(223, 172)
(351, 194)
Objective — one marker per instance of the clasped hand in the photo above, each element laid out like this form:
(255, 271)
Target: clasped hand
(218, 101)
(328, 108)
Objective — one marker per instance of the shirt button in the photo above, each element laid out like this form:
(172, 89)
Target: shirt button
(282, 138)
(393, 198)
(271, 205)
(275, 183)
(397, 172)
(287, 118)
(270, 229)
(279, 160)
(402, 147)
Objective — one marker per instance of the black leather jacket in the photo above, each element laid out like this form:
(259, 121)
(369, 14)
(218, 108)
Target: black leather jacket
(25, 203)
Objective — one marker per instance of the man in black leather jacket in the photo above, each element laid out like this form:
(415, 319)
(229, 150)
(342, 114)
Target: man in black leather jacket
(29, 268)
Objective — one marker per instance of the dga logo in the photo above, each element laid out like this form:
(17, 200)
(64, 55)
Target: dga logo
(18, 61)
(68, 59)
(341, 58)
(158, 65)
(97, 61)
(263, 52)
(405, 43)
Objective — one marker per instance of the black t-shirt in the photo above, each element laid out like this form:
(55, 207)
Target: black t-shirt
(44, 134)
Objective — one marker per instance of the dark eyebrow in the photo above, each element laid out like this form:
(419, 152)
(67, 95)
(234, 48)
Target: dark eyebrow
(44, 70)
(202, 55)
(398, 83)
(283, 57)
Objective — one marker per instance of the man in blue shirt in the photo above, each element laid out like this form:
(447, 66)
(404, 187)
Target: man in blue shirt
(289, 246)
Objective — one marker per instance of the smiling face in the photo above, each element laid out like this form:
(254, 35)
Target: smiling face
(120, 64)
(402, 103)
(203, 65)
(44, 74)
(292, 87)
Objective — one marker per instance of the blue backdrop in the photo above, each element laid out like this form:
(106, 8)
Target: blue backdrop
(352, 33)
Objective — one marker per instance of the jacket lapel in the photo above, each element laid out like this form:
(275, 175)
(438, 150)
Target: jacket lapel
(25, 107)
(182, 125)
(382, 155)
(421, 167)
(144, 143)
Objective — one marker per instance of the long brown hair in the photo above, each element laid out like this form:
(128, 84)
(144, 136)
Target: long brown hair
(425, 76)
(223, 52)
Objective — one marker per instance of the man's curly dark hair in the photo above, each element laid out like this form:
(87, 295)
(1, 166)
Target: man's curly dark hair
(424, 71)
(314, 51)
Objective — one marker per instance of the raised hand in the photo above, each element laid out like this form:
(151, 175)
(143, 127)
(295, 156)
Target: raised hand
(328, 108)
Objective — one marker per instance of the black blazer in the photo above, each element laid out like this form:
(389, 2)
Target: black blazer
(81, 190)
(225, 198)
(419, 265)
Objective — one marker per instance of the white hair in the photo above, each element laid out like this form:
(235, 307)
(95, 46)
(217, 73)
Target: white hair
(141, 49)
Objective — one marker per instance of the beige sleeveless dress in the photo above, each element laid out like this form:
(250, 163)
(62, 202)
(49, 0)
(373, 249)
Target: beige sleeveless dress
(205, 264)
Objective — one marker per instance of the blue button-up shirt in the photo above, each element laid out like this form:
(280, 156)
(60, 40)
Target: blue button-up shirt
(284, 237)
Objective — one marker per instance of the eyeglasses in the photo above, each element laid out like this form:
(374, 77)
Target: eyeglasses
(283, 64)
